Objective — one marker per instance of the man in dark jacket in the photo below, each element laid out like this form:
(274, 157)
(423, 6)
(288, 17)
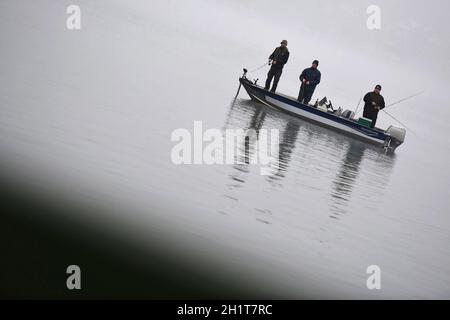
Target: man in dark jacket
(277, 59)
(374, 102)
(309, 78)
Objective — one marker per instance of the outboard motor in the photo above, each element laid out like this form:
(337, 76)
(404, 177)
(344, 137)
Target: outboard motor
(348, 114)
(397, 136)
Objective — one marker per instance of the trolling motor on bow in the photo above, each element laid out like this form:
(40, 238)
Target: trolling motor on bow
(245, 73)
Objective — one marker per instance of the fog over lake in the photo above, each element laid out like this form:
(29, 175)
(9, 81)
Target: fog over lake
(89, 113)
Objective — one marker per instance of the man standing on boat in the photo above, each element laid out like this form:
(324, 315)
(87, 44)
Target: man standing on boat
(277, 59)
(374, 102)
(309, 78)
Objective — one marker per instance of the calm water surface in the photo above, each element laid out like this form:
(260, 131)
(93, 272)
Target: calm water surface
(94, 111)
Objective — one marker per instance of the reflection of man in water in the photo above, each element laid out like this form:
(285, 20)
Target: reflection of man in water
(374, 103)
(278, 59)
(345, 179)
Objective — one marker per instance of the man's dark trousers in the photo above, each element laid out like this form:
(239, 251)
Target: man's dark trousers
(305, 94)
(273, 73)
(371, 115)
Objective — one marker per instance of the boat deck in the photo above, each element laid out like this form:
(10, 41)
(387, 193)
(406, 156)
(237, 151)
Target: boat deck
(311, 106)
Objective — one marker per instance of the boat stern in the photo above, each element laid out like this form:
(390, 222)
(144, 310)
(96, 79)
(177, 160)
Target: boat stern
(396, 135)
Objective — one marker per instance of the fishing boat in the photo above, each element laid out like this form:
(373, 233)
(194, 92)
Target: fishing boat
(341, 121)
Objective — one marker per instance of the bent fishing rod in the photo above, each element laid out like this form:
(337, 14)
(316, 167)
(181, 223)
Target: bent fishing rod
(390, 115)
(400, 101)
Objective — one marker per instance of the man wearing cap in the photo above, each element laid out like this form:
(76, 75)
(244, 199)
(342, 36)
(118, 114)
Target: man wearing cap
(374, 102)
(309, 78)
(277, 59)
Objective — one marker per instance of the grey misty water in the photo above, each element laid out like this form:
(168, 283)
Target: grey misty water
(94, 110)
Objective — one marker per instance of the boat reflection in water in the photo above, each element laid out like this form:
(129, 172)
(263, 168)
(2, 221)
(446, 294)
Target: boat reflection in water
(312, 160)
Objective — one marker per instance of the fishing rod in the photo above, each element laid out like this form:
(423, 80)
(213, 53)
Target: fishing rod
(404, 99)
(399, 101)
(390, 115)
(265, 64)
(357, 107)
(302, 92)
